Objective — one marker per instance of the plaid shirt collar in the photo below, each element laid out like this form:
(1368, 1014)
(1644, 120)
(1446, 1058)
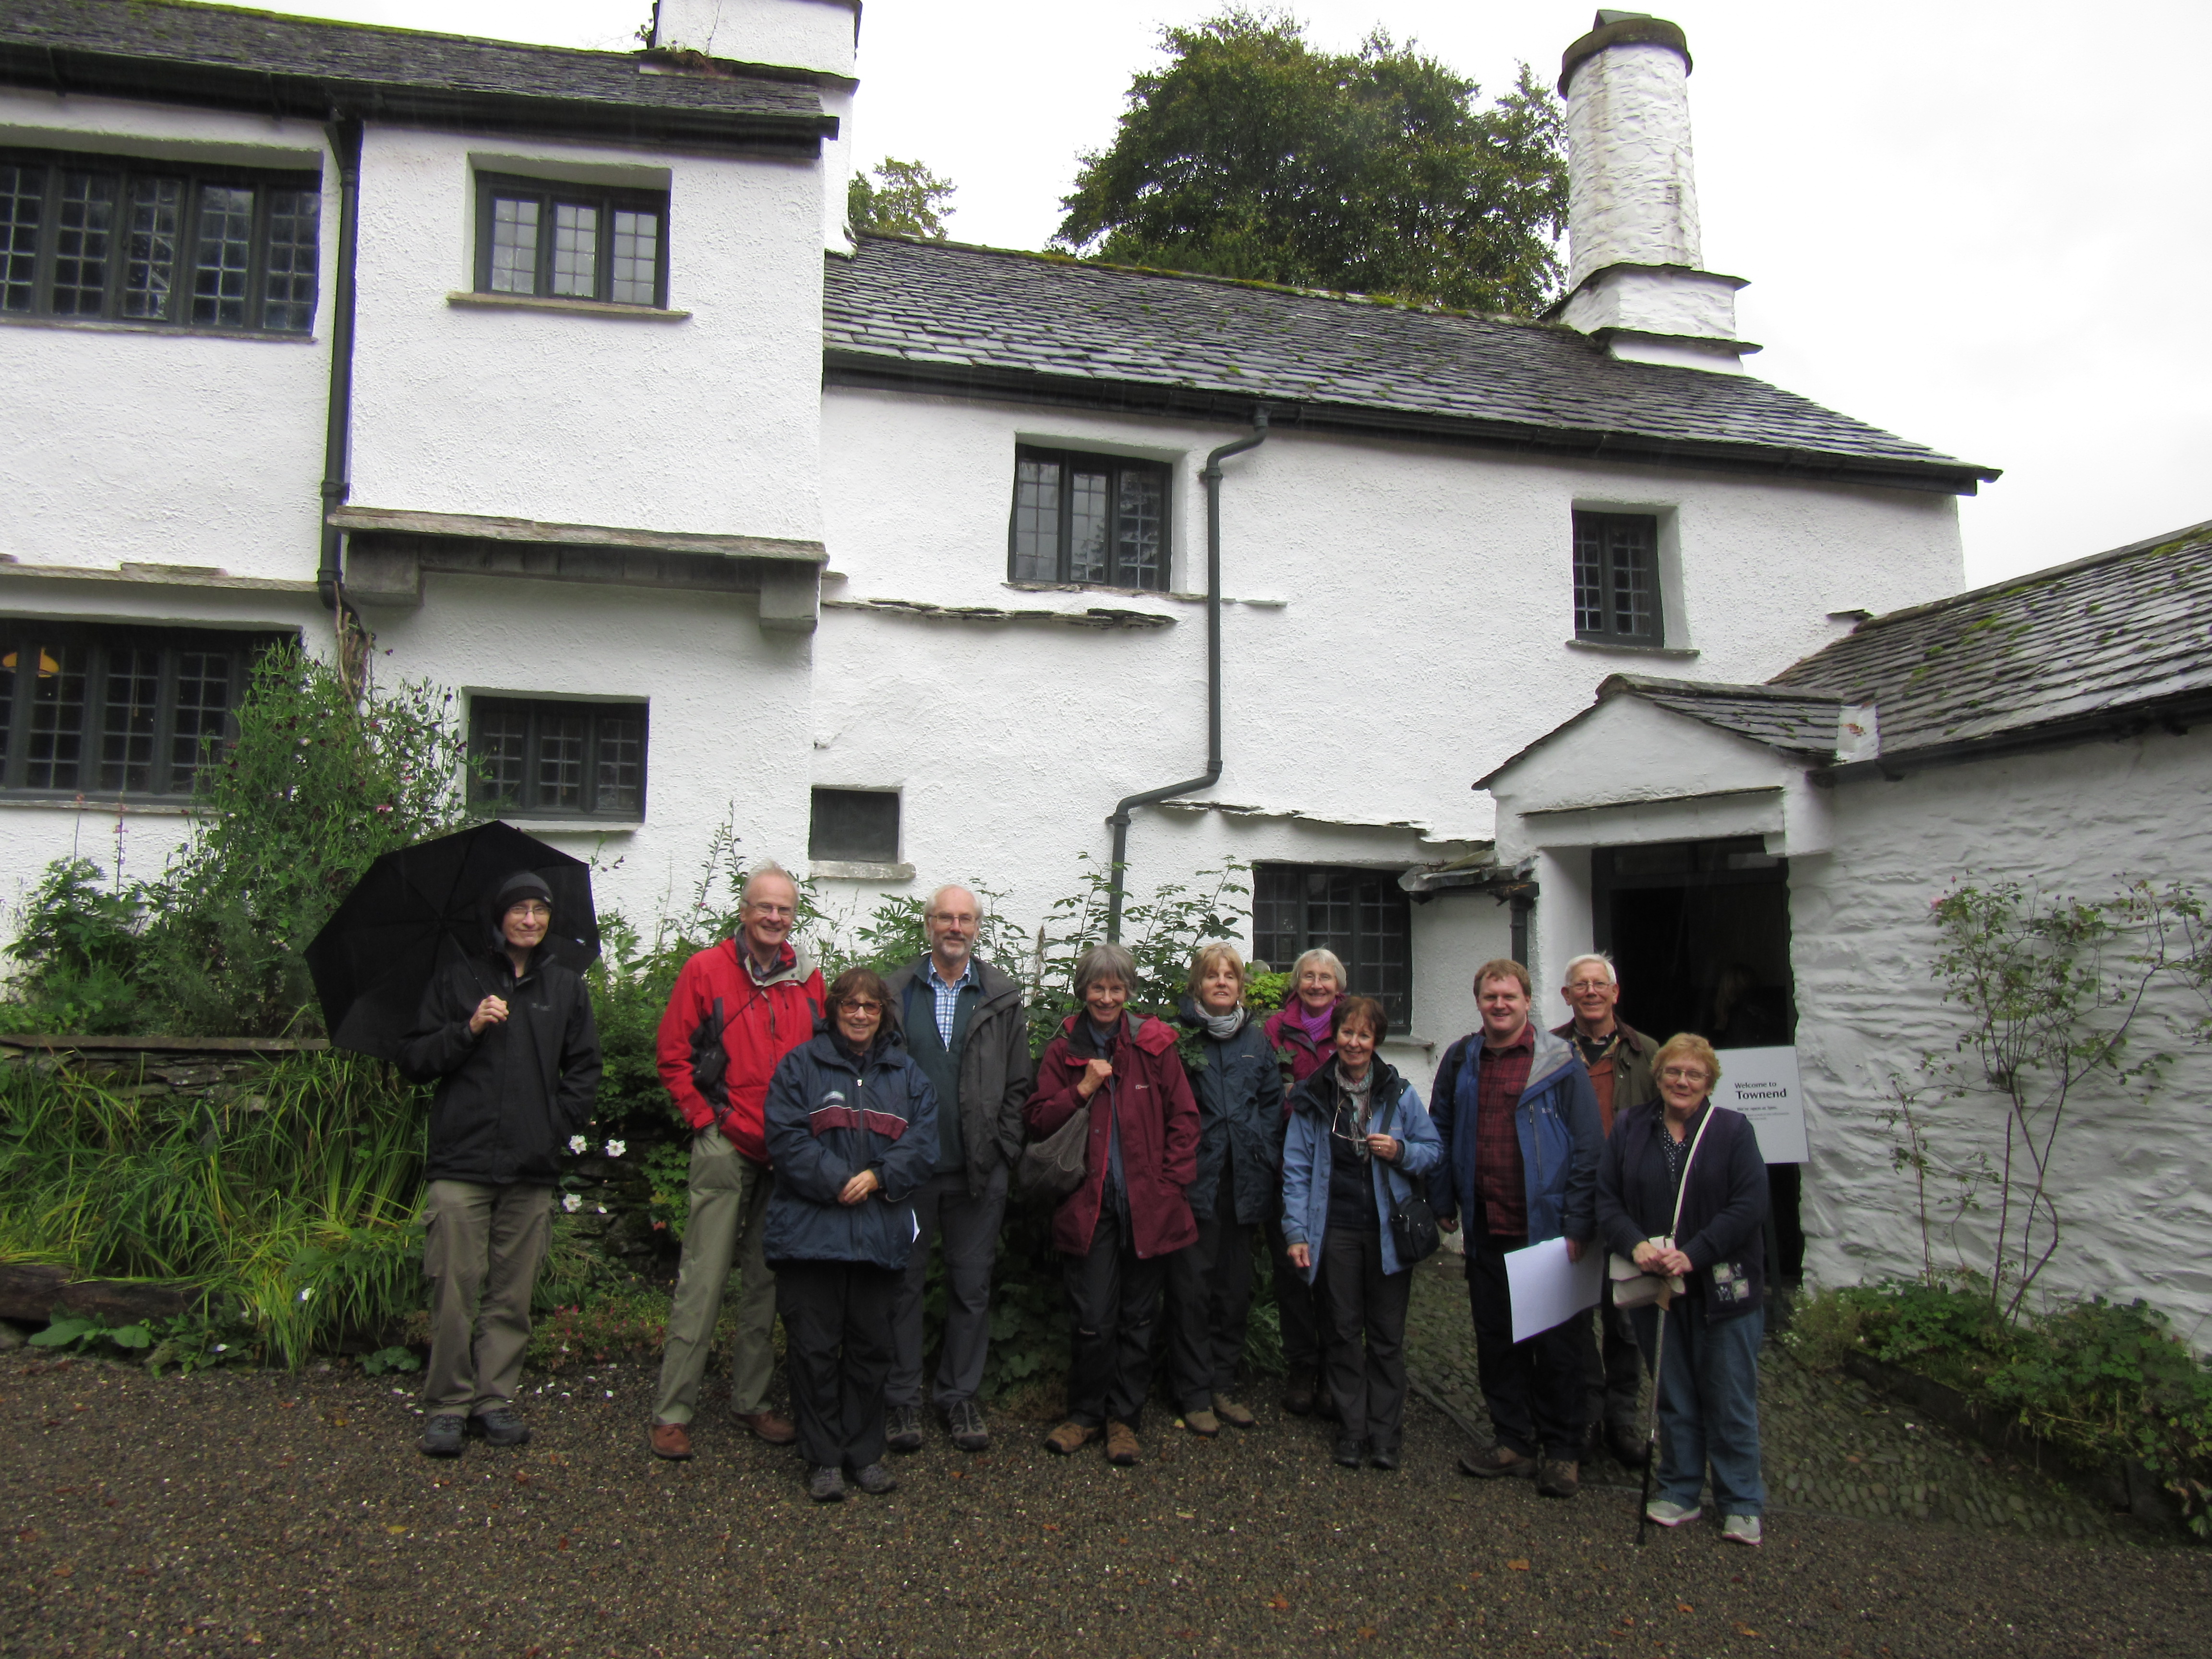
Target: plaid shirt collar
(947, 995)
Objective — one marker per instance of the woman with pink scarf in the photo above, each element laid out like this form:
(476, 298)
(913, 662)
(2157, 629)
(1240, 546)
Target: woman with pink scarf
(1299, 1031)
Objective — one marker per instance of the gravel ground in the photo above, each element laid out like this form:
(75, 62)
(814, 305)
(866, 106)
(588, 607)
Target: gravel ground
(259, 1513)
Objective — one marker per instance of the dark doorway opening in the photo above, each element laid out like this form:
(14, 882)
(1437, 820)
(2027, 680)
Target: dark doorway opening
(1698, 932)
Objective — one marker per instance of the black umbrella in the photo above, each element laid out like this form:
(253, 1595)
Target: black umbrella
(416, 908)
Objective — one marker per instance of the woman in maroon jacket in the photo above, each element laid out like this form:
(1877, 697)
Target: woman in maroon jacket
(1116, 1230)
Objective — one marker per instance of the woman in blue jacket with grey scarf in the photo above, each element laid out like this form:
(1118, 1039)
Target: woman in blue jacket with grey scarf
(852, 1131)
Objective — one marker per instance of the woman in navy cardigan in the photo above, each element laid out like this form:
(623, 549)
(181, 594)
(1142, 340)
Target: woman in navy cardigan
(1709, 1382)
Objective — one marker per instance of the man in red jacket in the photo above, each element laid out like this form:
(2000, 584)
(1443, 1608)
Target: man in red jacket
(764, 999)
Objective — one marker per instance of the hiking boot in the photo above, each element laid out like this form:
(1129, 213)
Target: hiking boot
(876, 1479)
(1558, 1477)
(1230, 1411)
(1496, 1460)
(1202, 1422)
(1629, 1448)
(1298, 1398)
(670, 1440)
(1382, 1458)
(964, 1418)
(1741, 1530)
(1671, 1514)
(500, 1427)
(902, 1429)
(825, 1485)
(1069, 1437)
(767, 1426)
(1121, 1444)
(1351, 1451)
(442, 1435)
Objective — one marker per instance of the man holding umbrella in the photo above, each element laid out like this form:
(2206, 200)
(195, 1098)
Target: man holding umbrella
(739, 1008)
(506, 1033)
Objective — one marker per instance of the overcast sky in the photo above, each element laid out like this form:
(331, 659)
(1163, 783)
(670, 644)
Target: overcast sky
(1977, 225)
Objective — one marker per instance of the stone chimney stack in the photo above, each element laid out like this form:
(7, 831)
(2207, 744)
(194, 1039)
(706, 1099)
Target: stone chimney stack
(1636, 278)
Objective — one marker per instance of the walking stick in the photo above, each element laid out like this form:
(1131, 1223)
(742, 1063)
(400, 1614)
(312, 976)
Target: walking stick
(1652, 1426)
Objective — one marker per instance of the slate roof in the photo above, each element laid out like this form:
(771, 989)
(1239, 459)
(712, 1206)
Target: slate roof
(910, 311)
(2115, 640)
(227, 54)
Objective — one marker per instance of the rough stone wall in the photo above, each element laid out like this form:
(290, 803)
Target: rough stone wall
(2134, 1175)
(1632, 193)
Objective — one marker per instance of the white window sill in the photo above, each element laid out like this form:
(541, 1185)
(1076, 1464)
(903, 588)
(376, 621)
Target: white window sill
(109, 808)
(576, 826)
(174, 331)
(574, 308)
(1622, 648)
(858, 870)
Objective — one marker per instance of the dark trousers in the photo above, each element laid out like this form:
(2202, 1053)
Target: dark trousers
(970, 1228)
(1534, 1390)
(1297, 1306)
(1209, 1298)
(1116, 1300)
(1359, 1301)
(837, 1349)
(1611, 1366)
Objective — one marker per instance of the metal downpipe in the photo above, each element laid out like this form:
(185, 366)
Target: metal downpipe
(330, 579)
(1120, 817)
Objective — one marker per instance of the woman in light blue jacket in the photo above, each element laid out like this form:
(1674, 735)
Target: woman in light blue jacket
(1357, 1142)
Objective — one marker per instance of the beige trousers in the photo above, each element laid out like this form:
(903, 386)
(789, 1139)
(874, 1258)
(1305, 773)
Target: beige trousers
(728, 1222)
(482, 1254)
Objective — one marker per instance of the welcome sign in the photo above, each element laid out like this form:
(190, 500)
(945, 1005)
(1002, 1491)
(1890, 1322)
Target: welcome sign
(1762, 1084)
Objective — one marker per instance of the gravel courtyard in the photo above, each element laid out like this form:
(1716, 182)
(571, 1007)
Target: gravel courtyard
(261, 1513)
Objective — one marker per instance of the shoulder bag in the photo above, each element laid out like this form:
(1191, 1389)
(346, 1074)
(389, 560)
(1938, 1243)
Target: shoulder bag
(1631, 1286)
(1054, 1167)
(1413, 1224)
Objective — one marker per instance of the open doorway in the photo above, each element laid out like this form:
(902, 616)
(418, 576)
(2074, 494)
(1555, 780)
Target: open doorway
(1698, 932)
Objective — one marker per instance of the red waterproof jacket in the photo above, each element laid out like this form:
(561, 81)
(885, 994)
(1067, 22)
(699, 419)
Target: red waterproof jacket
(763, 1021)
(1158, 1122)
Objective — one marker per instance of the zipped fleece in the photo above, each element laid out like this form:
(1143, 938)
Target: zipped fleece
(1306, 1159)
(827, 1118)
(1240, 1120)
(765, 1021)
(996, 1071)
(1557, 1123)
(481, 1130)
(1160, 1133)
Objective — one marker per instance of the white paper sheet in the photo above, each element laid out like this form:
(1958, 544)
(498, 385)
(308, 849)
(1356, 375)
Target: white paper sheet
(1549, 1290)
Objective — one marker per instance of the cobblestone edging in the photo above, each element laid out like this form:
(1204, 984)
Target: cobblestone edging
(1832, 1444)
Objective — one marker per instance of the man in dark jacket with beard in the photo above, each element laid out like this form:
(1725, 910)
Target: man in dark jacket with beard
(965, 1026)
(507, 1035)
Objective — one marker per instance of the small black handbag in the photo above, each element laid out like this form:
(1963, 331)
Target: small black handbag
(1413, 1224)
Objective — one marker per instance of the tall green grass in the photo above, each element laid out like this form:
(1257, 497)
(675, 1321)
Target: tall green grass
(291, 1201)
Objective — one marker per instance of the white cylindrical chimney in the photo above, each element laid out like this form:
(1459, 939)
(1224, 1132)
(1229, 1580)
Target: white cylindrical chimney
(1635, 270)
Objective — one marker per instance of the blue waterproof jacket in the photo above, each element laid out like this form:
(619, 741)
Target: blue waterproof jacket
(1239, 1091)
(828, 1117)
(1305, 1159)
(1559, 1132)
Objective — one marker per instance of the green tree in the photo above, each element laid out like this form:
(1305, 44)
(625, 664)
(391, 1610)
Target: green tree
(1254, 155)
(906, 199)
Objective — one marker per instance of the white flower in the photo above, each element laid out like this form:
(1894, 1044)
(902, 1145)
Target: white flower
(617, 1148)
(305, 1294)
(577, 1143)
(572, 1204)
(603, 1210)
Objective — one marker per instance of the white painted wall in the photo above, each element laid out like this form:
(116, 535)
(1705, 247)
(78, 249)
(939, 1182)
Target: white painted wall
(2135, 1177)
(816, 34)
(709, 424)
(137, 445)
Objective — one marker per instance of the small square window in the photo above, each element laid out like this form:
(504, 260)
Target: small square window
(1100, 520)
(571, 242)
(1363, 916)
(543, 758)
(855, 826)
(1617, 577)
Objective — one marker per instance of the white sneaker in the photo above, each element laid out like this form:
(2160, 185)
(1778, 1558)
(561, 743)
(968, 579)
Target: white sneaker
(1741, 1529)
(1672, 1514)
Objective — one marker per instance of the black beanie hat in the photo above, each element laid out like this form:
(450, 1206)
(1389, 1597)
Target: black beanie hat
(522, 884)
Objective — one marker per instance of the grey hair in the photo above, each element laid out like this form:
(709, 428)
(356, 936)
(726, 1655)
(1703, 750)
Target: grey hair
(1327, 959)
(1104, 962)
(1567, 973)
(929, 904)
(770, 868)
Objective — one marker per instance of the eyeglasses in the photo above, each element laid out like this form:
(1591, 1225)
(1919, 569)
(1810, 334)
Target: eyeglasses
(531, 908)
(861, 1005)
(1684, 1074)
(955, 918)
(1581, 984)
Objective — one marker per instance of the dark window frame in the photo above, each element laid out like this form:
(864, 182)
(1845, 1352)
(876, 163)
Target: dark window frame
(550, 194)
(1612, 552)
(529, 798)
(1378, 957)
(1117, 468)
(817, 849)
(167, 777)
(47, 255)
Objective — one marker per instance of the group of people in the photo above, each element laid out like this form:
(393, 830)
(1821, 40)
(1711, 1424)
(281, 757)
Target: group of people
(840, 1132)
